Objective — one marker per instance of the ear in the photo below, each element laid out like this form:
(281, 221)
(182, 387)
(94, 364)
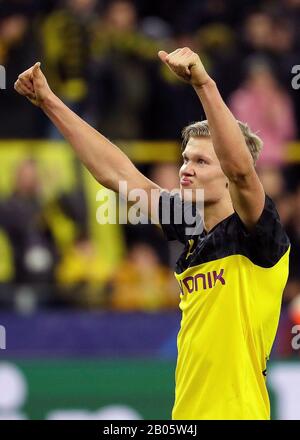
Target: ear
(227, 185)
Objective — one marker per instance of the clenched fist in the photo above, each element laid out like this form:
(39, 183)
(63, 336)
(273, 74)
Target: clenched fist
(187, 65)
(33, 84)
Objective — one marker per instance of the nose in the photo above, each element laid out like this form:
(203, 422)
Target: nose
(187, 169)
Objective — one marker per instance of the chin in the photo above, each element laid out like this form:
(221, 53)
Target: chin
(192, 194)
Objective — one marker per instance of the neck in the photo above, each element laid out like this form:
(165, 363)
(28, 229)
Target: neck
(215, 212)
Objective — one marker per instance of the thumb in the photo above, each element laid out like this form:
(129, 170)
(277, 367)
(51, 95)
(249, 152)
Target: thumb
(36, 69)
(162, 55)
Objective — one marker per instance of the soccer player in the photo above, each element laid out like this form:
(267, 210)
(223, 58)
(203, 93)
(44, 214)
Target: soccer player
(233, 273)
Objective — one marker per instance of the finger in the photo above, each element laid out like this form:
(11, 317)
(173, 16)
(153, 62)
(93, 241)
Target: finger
(166, 57)
(188, 72)
(185, 50)
(173, 55)
(162, 55)
(26, 82)
(27, 74)
(187, 54)
(22, 90)
(180, 51)
(188, 59)
(175, 51)
(36, 69)
(29, 91)
(18, 88)
(181, 57)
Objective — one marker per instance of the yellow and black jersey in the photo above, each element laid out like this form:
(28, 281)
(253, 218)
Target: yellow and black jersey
(231, 283)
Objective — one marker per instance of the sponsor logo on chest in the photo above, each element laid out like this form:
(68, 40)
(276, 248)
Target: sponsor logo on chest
(202, 281)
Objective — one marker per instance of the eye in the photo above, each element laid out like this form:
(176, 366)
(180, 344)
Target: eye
(201, 161)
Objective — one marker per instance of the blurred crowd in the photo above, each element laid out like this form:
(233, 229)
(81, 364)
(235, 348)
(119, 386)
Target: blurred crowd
(100, 57)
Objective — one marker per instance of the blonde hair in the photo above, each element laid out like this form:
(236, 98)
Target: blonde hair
(201, 129)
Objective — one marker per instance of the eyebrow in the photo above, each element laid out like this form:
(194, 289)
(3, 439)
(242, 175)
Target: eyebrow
(197, 155)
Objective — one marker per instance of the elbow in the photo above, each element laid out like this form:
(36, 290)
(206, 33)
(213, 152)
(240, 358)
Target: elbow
(238, 172)
(109, 181)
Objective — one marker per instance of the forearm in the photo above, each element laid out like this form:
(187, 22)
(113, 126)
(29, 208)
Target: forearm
(228, 140)
(105, 161)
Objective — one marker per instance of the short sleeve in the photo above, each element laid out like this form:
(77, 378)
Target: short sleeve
(179, 220)
(267, 242)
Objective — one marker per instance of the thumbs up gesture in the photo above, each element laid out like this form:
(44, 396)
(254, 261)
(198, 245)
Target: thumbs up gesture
(33, 84)
(187, 65)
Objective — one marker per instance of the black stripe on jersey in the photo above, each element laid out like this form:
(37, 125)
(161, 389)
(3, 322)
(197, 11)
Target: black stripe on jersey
(264, 245)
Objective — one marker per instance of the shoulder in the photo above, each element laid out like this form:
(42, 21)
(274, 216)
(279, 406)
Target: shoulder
(180, 220)
(267, 241)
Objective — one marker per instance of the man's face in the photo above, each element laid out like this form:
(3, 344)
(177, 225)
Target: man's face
(201, 169)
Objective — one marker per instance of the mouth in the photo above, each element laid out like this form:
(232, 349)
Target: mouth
(184, 181)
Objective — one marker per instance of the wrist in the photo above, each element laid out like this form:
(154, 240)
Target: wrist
(48, 101)
(206, 84)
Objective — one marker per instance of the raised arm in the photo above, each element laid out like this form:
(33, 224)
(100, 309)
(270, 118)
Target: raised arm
(107, 163)
(246, 190)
